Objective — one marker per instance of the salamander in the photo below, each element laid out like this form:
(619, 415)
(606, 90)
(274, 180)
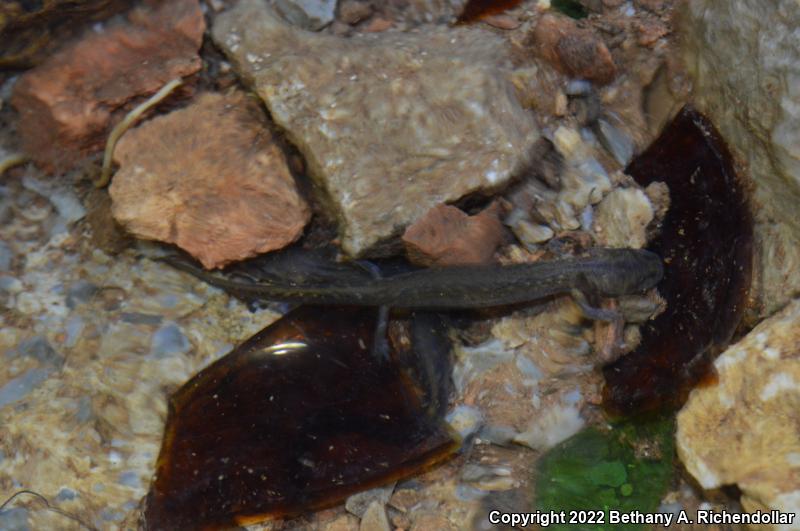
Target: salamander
(601, 272)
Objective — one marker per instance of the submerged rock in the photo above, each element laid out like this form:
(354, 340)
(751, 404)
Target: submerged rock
(390, 124)
(622, 218)
(62, 119)
(210, 179)
(742, 430)
(448, 236)
(307, 14)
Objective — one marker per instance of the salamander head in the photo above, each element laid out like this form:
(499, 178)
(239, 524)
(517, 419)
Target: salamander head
(624, 271)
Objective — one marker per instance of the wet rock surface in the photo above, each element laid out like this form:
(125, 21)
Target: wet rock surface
(68, 102)
(741, 429)
(91, 345)
(209, 178)
(95, 342)
(385, 122)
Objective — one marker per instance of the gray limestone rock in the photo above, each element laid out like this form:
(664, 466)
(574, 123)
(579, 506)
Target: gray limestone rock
(744, 61)
(308, 14)
(17, 388)
(390, 124)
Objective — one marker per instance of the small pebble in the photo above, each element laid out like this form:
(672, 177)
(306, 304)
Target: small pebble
(529, 368)
(66, 494)
(141, 318)
(469, 493)
(578, 87)
(63, 199)
(169, 340)
(308, 14)
(17, 388)
(619, 144)
(80, 292)
(73, 328)
(358, 503)
(532, 233)
(110, 515)
(10, 285)
(374, 518)
(39, 349)
(14, 519)
(465, 420)
(6, 256)
(130, 478)
(500, 435)
(28, 304)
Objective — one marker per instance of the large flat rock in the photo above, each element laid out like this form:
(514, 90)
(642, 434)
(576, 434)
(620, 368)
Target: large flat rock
(390, 124)
(743, 430)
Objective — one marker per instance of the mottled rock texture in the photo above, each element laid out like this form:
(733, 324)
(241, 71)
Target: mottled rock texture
(622, 218)
(744, 59)
(390, 124)
(210, 179)
(743, 429)
(67, 103)
(578, 52)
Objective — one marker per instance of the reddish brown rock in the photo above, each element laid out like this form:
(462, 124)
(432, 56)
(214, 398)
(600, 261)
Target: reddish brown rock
(502, 21)
(377, 25)
(578, 52)
(68, 103)
(210, 179)
(650, 30)
(354, 11)
(447, 236)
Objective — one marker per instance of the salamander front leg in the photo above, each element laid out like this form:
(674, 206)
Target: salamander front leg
(380, 343)
(590, 312)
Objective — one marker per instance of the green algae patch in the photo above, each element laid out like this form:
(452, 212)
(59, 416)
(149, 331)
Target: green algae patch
(627, 468)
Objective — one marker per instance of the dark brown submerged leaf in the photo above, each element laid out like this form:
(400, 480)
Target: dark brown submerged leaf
(706, 243)
(475, 10)
(297, 418)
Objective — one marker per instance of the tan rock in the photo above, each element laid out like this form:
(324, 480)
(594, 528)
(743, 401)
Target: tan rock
(577, 52)
(448, 236)
(622, 218)
(68, 103)
(743, 430)
(343, 522)
(210, 179)
(428, 520)
(354, 11)
(501, 21)
(391, 124)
